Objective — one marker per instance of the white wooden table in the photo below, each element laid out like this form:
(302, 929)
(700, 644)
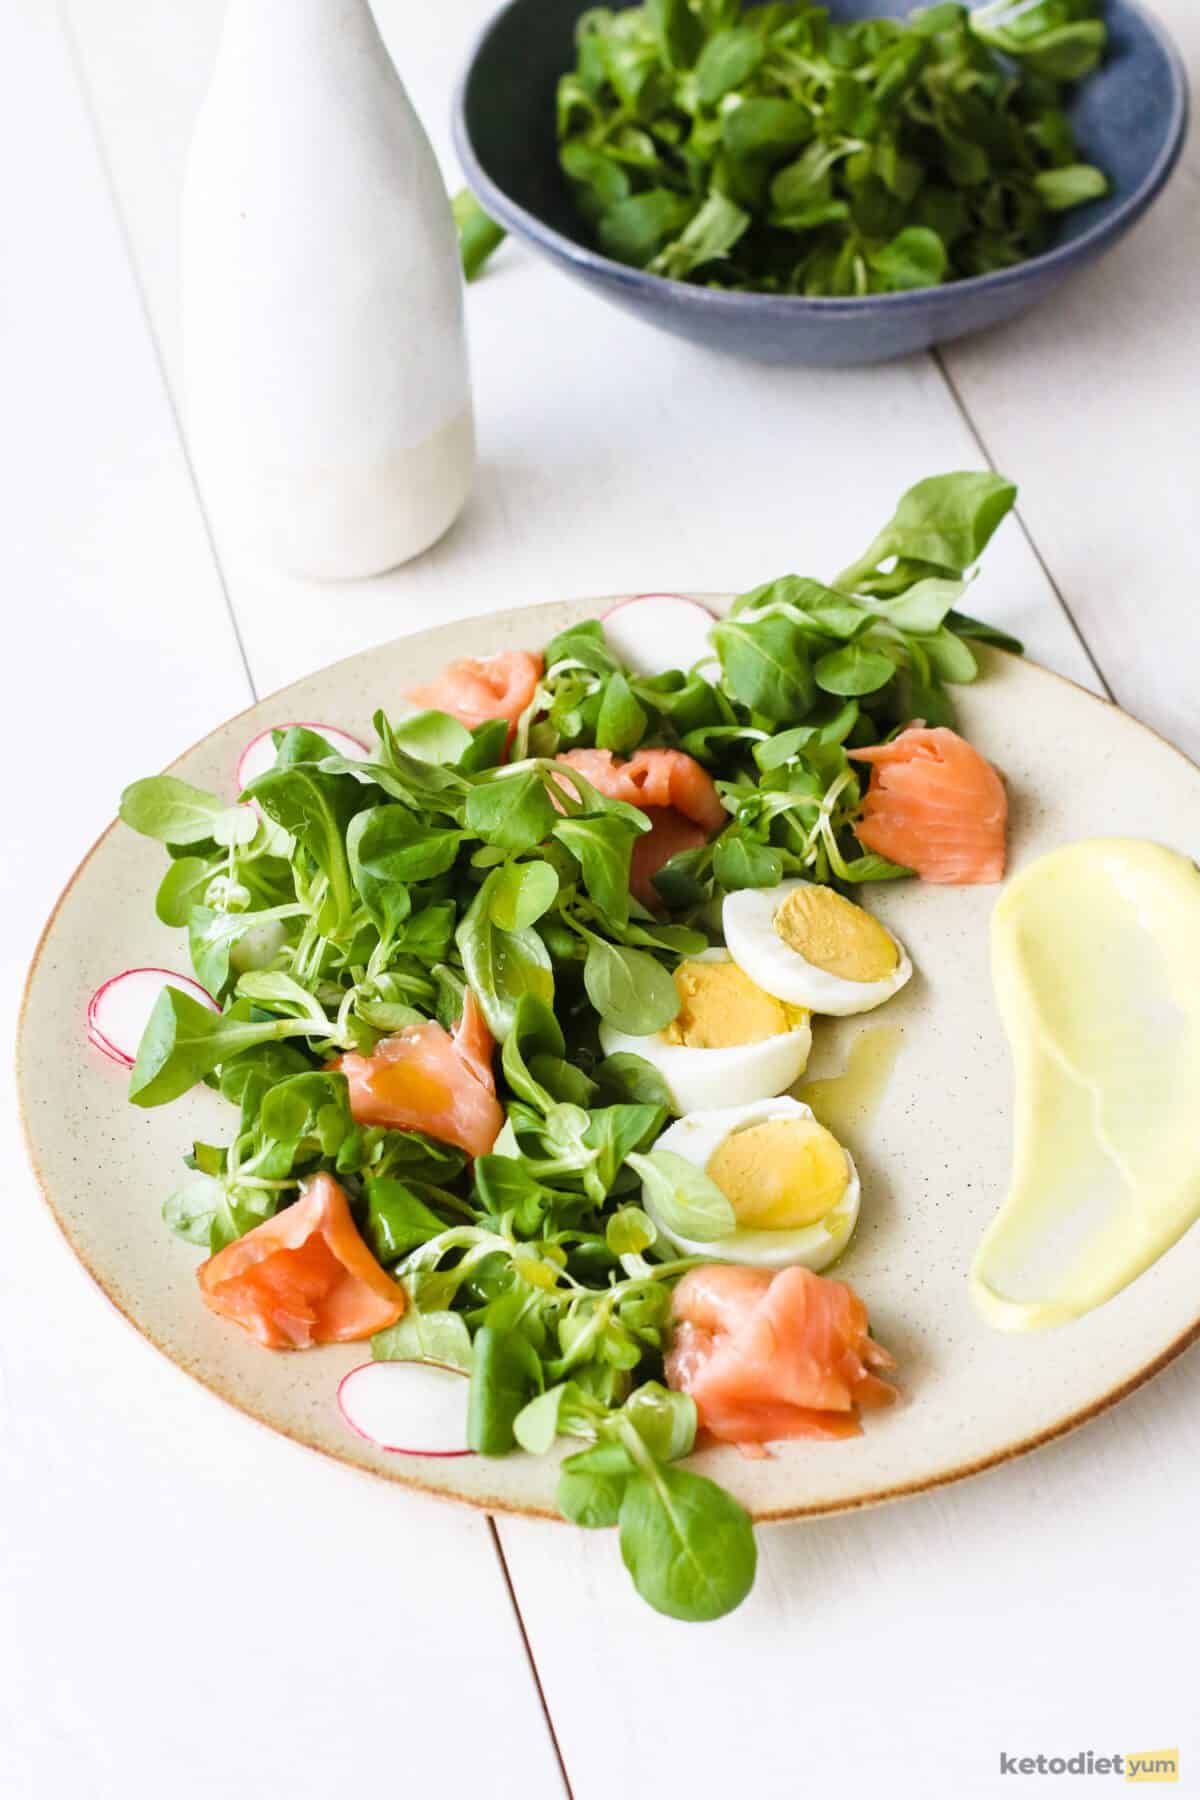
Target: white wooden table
(190, 1607)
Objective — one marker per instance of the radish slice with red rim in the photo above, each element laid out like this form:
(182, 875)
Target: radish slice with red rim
(259, 754)
(655, 632)
(119, 1009)
(413, 1408)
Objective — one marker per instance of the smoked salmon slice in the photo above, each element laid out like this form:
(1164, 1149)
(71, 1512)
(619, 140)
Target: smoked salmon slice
(774, 1356)
(677, 796)
(935, 805)
(304, 1277)
(474, 690)
(426, 1079)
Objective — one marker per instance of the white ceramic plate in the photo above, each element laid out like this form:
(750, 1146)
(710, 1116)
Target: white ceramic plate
(934, 1158)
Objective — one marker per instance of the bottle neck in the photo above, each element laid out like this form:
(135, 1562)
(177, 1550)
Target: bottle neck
(302, 30)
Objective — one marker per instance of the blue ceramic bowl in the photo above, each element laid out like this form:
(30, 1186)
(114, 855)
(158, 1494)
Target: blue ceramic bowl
(1130, 118)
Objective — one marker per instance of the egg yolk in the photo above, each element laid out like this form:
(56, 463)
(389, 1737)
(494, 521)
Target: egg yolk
(780, 1174)
(719, 1007)
(835, 935)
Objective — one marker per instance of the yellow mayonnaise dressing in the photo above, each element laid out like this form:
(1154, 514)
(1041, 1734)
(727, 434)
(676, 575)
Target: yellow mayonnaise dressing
(1096, 965)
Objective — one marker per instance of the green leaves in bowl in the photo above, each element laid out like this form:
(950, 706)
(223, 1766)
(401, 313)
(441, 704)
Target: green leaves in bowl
(773, 149)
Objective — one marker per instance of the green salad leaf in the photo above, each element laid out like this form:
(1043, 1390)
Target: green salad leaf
(478, 236)
(688, 1201)
(687, 1543)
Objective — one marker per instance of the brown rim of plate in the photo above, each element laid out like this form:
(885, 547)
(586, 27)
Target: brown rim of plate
(490, 1503)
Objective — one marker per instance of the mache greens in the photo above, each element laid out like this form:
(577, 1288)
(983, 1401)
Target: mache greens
(776, 149)
(355, 898)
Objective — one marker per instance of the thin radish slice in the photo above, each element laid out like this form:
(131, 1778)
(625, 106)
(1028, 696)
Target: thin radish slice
(259, 754)
(118, 1010)
(655, 632)
(414, 1408)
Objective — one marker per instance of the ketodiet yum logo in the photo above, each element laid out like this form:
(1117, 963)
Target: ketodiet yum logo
(1126, 1765)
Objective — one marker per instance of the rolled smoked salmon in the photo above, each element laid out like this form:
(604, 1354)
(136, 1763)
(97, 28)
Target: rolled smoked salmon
(304, 1277)
(425, 1079)
(774, 1356)
(935, 805)
(676, 795)
(474, 690)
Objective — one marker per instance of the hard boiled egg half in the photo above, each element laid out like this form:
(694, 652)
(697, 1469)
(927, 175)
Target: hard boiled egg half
(809, 947)
(793, 1188)
(729, 1043)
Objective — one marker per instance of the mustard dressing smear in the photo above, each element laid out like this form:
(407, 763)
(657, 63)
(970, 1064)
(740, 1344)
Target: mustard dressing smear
(1096, 967)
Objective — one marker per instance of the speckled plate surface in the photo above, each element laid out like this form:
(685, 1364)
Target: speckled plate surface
(933, 1158)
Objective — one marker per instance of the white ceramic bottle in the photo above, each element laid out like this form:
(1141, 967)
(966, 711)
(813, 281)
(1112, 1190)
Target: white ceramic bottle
(327, 393)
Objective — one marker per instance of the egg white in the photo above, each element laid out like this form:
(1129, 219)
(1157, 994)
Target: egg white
(697, 1138)
(748, 922)
(733, 1075)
